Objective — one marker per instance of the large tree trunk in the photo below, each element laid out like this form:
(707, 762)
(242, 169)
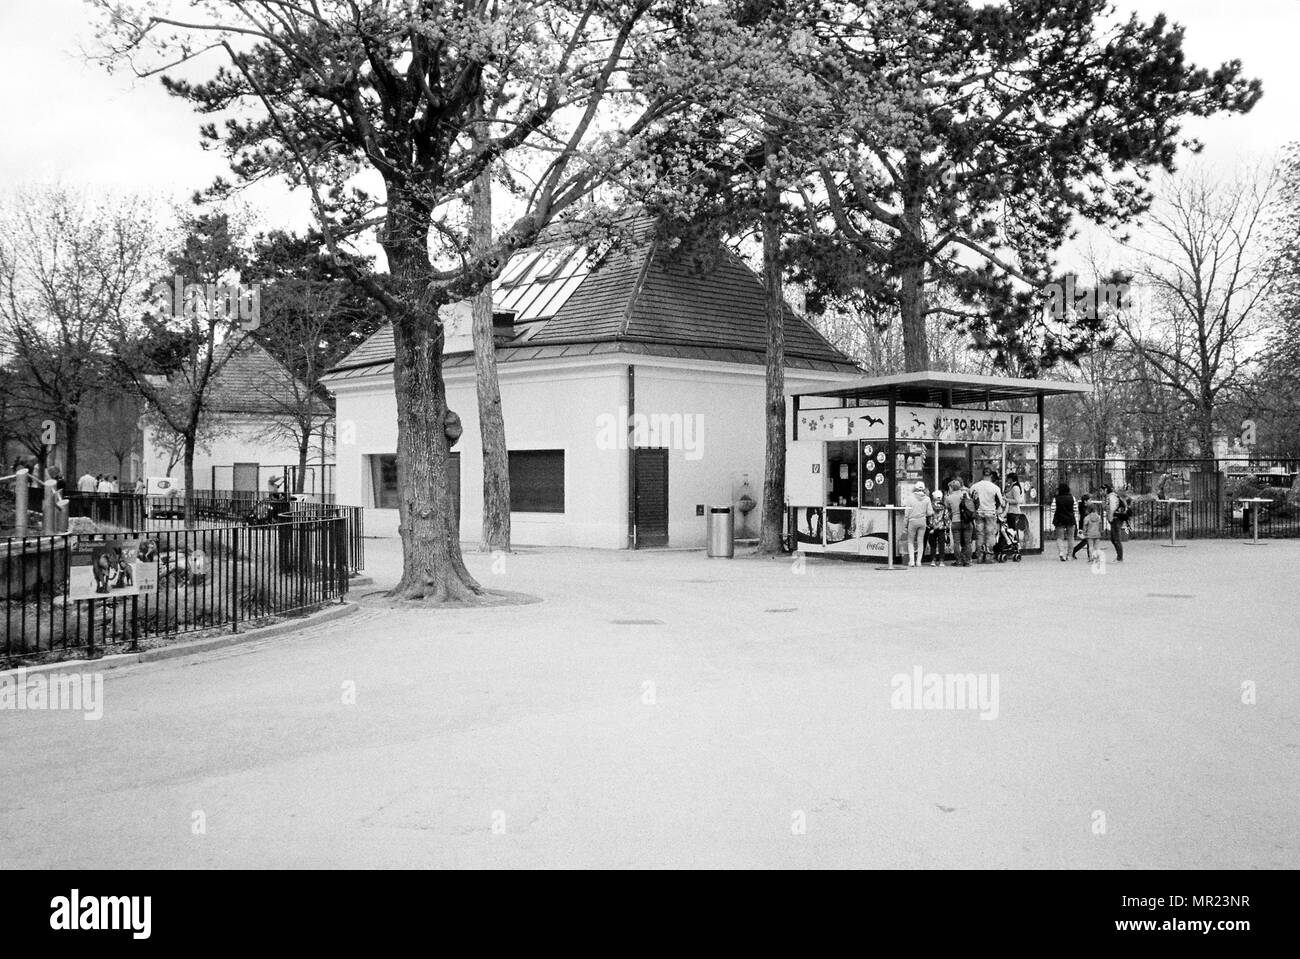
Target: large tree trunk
(432, 565)
(491, 421)
(1205, 425)
(912, 301)
(304, 450)
(769, 537)
(190, 442)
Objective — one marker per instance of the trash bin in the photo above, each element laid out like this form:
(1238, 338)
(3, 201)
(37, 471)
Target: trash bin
(722, 532)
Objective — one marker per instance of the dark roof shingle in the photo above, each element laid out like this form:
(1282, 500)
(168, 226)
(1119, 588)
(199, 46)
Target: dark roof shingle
(642, 293)
(251, 380)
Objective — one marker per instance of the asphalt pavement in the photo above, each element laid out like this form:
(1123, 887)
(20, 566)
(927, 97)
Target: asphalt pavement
(661, 709)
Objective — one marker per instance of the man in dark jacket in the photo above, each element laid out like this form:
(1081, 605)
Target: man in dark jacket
(1116, 513)
(277, 512)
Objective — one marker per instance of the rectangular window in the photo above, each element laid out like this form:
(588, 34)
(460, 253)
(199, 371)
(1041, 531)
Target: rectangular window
(842, 474)
(383, 480)
(536, 481)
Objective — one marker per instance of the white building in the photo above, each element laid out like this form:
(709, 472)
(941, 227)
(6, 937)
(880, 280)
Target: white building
(585, 346)
(251, 431)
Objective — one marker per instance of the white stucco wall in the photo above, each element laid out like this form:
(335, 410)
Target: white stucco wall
(710, 417)
(555, 407)
(551, 408)
(238, 440)
(722, 457)
(365, 411)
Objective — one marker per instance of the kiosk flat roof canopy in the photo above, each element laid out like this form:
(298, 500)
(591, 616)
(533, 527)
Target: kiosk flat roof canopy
(946, 389)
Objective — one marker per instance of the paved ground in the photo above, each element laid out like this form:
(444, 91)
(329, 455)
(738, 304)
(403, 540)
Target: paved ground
(662, 709)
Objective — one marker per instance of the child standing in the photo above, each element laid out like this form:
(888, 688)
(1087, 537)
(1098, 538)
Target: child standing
(937, 537)
(1092, 532)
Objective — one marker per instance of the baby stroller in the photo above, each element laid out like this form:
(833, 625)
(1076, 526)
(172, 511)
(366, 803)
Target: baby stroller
(1007, 543)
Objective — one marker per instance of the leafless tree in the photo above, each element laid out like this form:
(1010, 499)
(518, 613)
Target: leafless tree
(71, 270)
(879, 348)
(298, 319)
(1204, 283)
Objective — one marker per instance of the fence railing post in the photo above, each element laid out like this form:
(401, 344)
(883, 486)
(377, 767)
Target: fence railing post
(20, 503)
(342, 566)
(236, 560)
(1173, 523)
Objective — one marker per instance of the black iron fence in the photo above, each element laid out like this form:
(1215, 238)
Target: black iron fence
(137, 512)
(78, 593)
(318, 479)
(1151, 519)
(353, 516)
(1204, 497)
(123, 510)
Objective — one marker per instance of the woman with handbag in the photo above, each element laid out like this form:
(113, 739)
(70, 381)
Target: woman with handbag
(1063, 521)
(1014, 494)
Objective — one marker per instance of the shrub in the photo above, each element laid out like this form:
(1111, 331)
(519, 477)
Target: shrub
(85, 526)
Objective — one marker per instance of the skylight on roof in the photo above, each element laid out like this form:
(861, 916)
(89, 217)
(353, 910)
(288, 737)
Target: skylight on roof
(516, 270)
(552, 262)
(539, 284)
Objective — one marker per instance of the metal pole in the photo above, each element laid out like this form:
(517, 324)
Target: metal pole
(1173, 523)
(1254, 520)
(630, 435)
(20, 503)
(50, 505)
(234, 558)
(890, 565)
(893, 478)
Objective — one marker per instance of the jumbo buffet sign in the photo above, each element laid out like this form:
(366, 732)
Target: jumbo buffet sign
(919, 423)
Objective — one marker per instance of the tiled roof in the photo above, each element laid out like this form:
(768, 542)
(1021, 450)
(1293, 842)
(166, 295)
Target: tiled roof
(251, 380)
(511, 355)
(642, 293)
(376, 348)
(724, 307)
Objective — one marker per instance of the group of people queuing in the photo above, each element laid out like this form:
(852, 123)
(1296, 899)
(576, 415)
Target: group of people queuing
(98, 483)
(964, 520)
(1085, 521)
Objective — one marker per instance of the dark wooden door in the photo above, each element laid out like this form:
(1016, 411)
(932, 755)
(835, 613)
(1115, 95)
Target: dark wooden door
(651, 497)
(1206, 494)
(245, 477)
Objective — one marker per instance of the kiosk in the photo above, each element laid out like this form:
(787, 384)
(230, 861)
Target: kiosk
(859, 446)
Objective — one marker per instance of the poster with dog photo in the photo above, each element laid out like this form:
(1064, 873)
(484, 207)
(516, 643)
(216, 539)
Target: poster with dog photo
(112, 568)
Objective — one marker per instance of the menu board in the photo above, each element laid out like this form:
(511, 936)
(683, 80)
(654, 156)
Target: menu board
(876, 472)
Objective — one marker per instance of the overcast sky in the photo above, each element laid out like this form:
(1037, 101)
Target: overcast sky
(68, 120)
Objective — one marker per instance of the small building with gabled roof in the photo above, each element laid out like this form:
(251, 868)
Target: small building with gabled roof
(252, 422)
(632, 384)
